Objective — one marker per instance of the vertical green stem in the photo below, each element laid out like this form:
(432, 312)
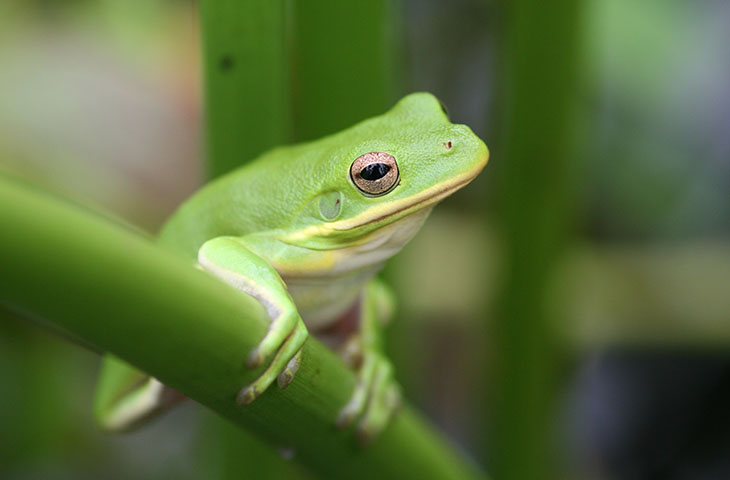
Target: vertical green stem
(246, 73)
(246, 78)
(537, 166)
(344, 60)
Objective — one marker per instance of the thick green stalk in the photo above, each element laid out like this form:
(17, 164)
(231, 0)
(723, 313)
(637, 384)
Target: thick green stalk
(246, 76)
(117, 291)
(344, 61)
(536, 168)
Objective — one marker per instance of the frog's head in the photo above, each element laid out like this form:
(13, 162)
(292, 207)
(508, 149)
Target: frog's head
(385, 174)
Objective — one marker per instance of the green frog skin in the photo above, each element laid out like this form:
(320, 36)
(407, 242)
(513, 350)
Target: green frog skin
(304, 229)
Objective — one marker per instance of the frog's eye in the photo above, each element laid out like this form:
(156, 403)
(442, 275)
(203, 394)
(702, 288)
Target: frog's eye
(375, 173)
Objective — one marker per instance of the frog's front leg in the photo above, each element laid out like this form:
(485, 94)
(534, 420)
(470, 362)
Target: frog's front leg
(376, 395)
(229, 259)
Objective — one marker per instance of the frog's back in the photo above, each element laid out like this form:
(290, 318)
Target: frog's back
(237, 204)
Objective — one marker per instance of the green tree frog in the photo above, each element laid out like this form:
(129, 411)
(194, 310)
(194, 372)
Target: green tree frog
(304, 229)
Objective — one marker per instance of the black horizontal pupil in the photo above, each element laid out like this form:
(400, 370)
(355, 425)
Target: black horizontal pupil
(374, 171)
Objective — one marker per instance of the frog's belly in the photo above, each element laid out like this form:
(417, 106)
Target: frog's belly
(321, 301)
(322, 297)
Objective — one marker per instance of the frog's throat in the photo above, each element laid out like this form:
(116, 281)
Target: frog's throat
(391, 210)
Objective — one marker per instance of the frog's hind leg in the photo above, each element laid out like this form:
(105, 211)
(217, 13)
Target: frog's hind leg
(376, 396)
(127, 397)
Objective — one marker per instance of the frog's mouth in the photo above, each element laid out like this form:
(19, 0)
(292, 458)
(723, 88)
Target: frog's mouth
(389, 212)
(395, 210)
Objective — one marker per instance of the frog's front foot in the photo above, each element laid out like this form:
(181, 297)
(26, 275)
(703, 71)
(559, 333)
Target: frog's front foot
(375, 399)
(284, 341)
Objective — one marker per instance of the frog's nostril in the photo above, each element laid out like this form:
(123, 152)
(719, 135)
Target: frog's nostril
(448, 145)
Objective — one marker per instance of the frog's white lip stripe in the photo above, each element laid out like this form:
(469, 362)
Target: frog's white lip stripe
(418, 201)
(392, 209)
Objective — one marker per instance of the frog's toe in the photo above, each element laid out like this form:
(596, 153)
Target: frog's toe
(286, 377)
(374, 400)
(255, 358)
(360, 394)
(384, 400)
(280, 329)
(378, 414)
(247, 395)
(283, 366)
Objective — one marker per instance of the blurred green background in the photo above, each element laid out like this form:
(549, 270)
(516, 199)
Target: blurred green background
(568, 312)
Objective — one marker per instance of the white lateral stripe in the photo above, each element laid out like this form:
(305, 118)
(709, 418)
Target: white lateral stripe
(141, 402)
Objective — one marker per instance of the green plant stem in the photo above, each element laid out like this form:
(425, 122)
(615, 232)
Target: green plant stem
(246, 76)
(345, 64)
(536, 210)
(117, 291)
